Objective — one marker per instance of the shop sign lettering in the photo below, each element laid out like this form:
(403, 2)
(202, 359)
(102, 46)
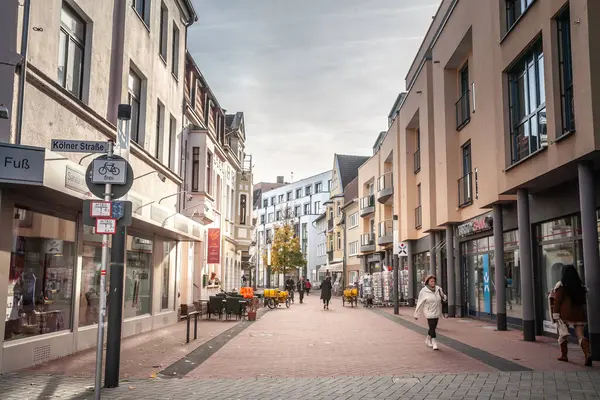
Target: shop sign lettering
(476, 225)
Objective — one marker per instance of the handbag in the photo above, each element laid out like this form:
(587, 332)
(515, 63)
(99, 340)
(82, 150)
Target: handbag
(444, 305)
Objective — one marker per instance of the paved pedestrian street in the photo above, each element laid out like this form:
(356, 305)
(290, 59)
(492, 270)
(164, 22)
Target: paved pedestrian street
(306, 352)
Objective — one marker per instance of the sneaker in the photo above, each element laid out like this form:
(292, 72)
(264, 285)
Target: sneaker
(434, 345)
(428, 341)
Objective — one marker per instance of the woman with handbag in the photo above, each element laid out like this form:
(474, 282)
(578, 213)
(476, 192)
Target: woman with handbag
(430, 302)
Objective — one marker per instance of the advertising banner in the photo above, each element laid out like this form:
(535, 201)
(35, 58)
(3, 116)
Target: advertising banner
(214, 246)
(487, 301)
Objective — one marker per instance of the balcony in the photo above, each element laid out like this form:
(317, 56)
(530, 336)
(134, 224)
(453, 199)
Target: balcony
(367, 242)
(386, 232)
(463, 111)
(330, 225)
(330, 256)
(465, 190)
(417, 161)
(385, 187)
(418, 217)
(367, 205)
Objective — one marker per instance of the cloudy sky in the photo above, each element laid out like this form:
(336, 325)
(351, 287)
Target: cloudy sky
(313, 77)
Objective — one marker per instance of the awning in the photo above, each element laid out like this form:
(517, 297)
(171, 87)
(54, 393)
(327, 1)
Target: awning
(335, 267)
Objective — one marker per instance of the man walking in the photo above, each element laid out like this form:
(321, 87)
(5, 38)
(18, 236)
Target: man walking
(301, 289)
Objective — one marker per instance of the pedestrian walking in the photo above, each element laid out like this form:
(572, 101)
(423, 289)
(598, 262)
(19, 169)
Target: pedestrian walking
(290, 286)
(568, 305)
(326, 292)
(244, 280)
(430, 302)
(301, 288)
(308, 286)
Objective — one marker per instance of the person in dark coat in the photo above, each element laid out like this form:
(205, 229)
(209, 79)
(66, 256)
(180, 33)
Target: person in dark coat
(301, 288)
(326, 292)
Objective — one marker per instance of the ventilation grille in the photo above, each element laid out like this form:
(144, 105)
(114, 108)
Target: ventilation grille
(41, 354)
(138, 327)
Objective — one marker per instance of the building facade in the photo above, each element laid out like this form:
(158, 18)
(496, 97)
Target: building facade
(299, 203)
(78, 71)
(489, 162)
(218, 177)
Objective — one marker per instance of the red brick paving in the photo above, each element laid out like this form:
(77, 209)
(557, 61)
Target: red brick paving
(539, 356)
(141, 355)
(307, 341)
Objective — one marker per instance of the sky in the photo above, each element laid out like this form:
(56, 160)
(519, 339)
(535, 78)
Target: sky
(313, 77)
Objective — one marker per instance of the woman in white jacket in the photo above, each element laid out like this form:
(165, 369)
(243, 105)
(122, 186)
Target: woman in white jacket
(430, 301)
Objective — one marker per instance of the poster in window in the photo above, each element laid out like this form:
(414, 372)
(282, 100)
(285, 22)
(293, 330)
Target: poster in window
(214, 246)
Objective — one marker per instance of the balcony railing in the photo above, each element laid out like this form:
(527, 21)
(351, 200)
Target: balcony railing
(417, 161)
(465, 190)
(367, 205)
(385, 187)
(463, 110)
(385, 232)
(367, 242)
(568, 111)
(418, 217)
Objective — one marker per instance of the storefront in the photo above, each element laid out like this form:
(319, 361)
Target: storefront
(421, 263)
(478, 270)
(373, 263)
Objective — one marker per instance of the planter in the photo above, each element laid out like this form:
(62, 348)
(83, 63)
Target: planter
(251, 315)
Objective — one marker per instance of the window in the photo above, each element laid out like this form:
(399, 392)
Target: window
(279, 218)
(269, 235)
(318, 187)
(514, 10)
(297, 211)
(172, 138)
(280, 198)
(142, 7)
(209, 172)
(329, 185)
(463, 110)
(353, 220)
(175, 52)
(270, 217)
(317, 207)
(273, 200)
(195, 168)
(71, 51)
(138, 277)
(466, 157)
(298, 193)
(419, 194)
(135, 100)
(339, 240)
(41, 276)
(307, 190)
(167, 288)
(565, 64)
(307, 209)
(353, 248)
(265, 203)
(339, 208)
(164, 28)
(160, 109)
(465, 184)
(262, 219)
(527, 105)
(417, 155)
(288, 196)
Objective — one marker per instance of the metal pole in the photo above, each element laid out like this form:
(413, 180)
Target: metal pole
(23, 70)
(591, 264)
(526, 265)
(411, 273)
(500, 275)
(104, 261)
(396, 300)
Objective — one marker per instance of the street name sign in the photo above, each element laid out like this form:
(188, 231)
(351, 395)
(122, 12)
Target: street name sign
(78, 146)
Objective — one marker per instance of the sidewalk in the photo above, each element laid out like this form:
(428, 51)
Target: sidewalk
(143, 355)
(538, 356)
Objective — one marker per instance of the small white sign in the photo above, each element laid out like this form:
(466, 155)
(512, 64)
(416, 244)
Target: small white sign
(402, 249)
(549, 327)
(100, 209)
(109, 171)
(78, 146)
(54, 246)
(106, 226)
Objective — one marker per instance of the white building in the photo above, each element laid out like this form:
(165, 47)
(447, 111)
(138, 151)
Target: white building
(301, 202)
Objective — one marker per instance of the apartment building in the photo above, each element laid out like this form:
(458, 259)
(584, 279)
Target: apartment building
(218, 177)
(493, 152)
(344, 172)
(80, 66)
(299, 203)
(352, 233)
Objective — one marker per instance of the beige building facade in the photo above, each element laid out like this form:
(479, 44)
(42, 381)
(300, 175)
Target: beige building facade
(491, 155)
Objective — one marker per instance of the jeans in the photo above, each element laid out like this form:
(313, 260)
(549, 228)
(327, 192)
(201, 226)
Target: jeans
(432, 322)
(301, 295)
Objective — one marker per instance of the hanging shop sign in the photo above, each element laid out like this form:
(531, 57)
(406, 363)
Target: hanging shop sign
(214, 246)
(476, 225)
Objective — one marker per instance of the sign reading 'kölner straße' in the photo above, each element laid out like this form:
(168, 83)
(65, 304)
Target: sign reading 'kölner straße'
(79, 146)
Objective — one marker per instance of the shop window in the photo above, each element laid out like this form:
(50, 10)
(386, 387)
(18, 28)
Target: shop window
(89, 300)
(41, 272)
(421, 265)
(167, 294)
(138, 277)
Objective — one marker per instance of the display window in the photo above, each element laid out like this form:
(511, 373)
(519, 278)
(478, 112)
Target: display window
(41, 274)
(167, 288)
(421, 266)
(138, 277)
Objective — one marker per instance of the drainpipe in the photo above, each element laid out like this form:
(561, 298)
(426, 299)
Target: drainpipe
(23, 74)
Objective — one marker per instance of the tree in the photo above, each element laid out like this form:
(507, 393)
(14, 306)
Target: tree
(285, 250)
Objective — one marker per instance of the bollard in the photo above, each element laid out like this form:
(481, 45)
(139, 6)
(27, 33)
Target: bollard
(187, 337)
(195, 326)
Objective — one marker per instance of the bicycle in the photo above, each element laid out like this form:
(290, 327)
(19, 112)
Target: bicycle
(109, 167)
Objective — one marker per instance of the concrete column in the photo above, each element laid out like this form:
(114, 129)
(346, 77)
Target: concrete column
(411, 273)
(500, 275)
(458, 281)
(432, 253)
(591, 263)
(438, 259)
(450, 271)
(526, 265)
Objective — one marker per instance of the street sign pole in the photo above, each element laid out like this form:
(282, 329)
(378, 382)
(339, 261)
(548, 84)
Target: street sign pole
(99, 349)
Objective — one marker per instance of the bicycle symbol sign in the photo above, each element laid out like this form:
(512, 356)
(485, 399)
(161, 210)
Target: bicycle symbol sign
(109, 171)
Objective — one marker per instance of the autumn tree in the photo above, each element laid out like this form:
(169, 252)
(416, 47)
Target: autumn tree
(286, 253)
